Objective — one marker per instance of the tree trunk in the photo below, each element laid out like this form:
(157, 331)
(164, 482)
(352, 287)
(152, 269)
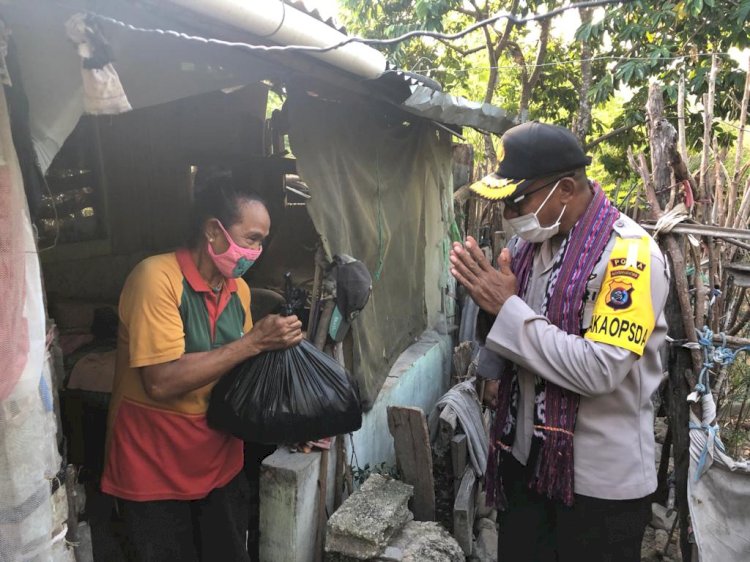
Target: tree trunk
(529, 81)
(493, 55)
(583, 119)
(663, 138)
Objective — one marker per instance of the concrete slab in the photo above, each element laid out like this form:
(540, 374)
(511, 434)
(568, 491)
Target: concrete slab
(364, 524)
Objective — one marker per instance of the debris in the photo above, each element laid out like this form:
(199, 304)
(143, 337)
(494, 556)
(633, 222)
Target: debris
(485, 546)
(661, 537)
(421, 541)
(660, 429)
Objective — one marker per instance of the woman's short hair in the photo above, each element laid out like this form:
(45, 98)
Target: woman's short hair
(217, 198)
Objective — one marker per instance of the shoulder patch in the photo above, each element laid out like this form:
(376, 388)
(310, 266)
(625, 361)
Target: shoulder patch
(623, 315)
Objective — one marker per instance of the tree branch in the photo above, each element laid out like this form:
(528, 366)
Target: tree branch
(541, 54)
(462, 52)
(608, 136)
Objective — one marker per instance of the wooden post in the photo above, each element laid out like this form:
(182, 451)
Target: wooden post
(414, 457)
(71, 479)
(459, 454)
(463, 511)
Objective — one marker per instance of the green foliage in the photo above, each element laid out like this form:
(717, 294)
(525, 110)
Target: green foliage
(361, 474)
(631, 44)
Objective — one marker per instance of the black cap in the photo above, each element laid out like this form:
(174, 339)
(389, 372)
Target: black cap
(528, 152)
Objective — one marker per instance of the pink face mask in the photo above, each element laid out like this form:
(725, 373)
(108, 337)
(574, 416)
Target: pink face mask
(236, 260)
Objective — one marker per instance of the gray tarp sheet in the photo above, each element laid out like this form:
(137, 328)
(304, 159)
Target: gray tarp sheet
(371, 179)
(153, 69)
(720, 498)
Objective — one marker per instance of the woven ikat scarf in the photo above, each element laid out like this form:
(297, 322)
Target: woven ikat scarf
(550, 463)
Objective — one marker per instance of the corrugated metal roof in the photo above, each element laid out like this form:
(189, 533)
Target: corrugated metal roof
(311, 9)
(455, 110)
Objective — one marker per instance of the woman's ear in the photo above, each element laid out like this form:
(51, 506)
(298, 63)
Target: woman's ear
(211, 230)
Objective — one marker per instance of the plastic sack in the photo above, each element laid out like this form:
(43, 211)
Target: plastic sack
(287, 396)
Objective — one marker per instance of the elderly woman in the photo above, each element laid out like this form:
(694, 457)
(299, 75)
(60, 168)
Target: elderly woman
(184, 322)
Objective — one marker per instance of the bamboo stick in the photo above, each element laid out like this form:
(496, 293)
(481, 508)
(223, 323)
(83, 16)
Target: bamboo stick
(736, 179)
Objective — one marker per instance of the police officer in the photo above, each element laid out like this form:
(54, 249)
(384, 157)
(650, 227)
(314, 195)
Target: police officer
(576, 320)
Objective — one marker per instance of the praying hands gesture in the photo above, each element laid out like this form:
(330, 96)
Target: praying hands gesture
(489, 287)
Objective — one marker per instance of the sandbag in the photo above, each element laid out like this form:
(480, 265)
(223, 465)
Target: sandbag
(288, 396)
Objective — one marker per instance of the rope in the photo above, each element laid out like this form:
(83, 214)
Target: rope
(712, 440)
(720, 355)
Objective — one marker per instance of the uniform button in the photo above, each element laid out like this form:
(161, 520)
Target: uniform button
(620, 223)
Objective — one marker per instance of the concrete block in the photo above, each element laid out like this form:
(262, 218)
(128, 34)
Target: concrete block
(660, 519)
(420, 541)
(288, 506)
(362, 527)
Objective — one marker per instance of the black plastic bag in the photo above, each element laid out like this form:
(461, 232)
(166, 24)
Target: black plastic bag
(287, 396)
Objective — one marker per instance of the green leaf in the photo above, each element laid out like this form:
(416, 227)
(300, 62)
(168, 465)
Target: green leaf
(584, 32)
(743, 12)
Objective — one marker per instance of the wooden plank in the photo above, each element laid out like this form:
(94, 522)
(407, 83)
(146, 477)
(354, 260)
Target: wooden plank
(338, 492)
(463, 511)
(408, 426)
(459, 453)
(322, 518)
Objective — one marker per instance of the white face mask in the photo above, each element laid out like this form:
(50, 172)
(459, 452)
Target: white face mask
(527, 227)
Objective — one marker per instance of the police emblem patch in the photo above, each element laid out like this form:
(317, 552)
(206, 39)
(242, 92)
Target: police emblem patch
(619, 295)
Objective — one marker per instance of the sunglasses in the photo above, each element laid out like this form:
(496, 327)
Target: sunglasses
(514, 204)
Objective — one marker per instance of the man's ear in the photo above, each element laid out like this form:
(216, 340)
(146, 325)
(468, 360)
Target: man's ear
(567, 188)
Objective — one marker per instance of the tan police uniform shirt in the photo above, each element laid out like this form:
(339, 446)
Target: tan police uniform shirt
(614, 439)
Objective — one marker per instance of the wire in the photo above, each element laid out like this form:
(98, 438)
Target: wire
(484, 23)
(406, 36)
(728, 124)
(281, 23)
(560, 63)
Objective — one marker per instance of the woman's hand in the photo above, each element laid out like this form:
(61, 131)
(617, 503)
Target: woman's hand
(274, 332)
